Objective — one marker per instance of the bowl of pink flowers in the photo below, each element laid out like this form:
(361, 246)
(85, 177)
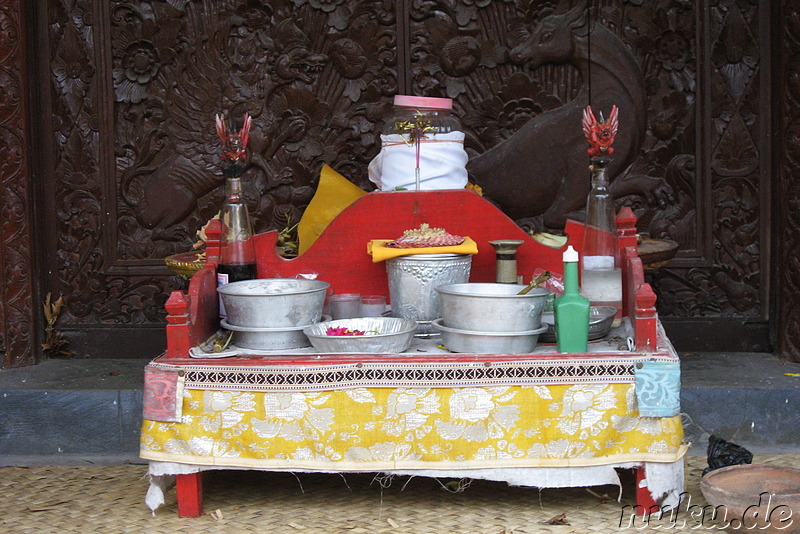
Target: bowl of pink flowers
(371, 335)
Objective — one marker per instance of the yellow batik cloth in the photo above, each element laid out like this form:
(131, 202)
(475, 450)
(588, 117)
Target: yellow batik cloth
(334, 193)
(375, 429)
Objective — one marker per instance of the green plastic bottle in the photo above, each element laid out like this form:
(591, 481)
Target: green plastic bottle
(571, 309)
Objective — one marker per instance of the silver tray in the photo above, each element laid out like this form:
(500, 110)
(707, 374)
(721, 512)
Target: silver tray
(249, 337)
(472, 341)
(601, 319)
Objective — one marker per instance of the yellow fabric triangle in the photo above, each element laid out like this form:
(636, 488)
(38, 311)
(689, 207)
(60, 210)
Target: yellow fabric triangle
(334, 194)
(380, 252)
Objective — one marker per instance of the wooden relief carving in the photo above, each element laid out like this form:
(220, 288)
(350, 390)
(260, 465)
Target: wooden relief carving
(315, 75)
(737, 171)
(18, 335)
(788, 200)
(135, 85)
(523, 73)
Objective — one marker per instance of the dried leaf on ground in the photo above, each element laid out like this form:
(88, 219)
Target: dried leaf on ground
(560, 519)
(604, 498)
(44, 507)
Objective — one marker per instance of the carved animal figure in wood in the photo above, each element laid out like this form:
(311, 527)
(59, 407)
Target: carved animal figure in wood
(163, 196)
(163, 192)
(542, 169)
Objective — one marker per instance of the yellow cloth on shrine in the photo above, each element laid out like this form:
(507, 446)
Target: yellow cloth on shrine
(380, 252)
(334, 193)
(374, 429)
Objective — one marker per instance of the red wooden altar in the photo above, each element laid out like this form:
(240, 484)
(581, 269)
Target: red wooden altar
(340, 257)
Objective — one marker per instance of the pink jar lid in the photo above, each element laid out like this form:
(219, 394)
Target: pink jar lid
(429, 102)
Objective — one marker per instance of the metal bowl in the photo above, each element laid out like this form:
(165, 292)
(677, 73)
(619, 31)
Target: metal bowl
(601, 318)
(394, 335)
(248, 337)
(486, 307)
(457, 340)
(754, 498)
(274, 302)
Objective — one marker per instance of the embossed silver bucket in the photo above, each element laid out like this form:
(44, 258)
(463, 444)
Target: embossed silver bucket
(413, 281)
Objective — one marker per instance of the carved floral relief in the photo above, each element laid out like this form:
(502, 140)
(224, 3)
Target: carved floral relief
(788, 317)
(315, 75)
(17, 316)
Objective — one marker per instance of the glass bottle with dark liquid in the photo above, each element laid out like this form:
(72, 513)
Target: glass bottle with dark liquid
(237, 256)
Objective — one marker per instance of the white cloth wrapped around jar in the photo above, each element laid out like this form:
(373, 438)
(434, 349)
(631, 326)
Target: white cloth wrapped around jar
(442, 163)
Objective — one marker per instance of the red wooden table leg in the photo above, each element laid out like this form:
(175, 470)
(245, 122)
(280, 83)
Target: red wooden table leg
(645, 505)
(189, 489)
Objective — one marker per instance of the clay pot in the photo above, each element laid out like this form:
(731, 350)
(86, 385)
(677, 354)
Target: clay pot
(755, 498)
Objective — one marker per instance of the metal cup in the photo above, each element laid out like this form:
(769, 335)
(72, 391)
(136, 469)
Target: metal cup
(413, 280)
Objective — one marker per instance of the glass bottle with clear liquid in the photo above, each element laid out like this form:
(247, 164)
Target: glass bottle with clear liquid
(237, 259)
(601, 276)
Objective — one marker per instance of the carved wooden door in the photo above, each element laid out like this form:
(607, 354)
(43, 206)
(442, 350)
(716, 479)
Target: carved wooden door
(125, 148)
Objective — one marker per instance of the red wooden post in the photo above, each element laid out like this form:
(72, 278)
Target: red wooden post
(189, 489)
(626, 249)
(645, 505)
(633, 278)
(645, 319)
(213, 239)
(626, 232)
(178, 325)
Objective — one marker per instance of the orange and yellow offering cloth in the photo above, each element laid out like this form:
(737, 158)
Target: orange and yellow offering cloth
(379, 251)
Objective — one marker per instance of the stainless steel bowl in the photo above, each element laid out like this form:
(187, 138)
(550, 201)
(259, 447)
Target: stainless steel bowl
(601, 318)
(394, 335)
(486, 307)
(274, 302)
(457, 340)
(248, 337)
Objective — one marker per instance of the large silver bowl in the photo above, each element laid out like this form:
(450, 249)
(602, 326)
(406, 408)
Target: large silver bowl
(487, 307)
(456, 340)
(394, 335)
(274, 302)
(601, 319)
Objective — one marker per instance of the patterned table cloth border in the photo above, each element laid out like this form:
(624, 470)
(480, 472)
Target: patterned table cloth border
(273, 376)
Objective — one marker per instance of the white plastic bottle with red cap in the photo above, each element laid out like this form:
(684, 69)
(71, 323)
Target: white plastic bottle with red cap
(422, 147)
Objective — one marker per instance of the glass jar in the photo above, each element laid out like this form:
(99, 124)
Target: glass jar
(422, 147)
(435, 114)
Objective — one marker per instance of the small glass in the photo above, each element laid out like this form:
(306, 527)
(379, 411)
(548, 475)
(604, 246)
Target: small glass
(373, 305)
(345, 305)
